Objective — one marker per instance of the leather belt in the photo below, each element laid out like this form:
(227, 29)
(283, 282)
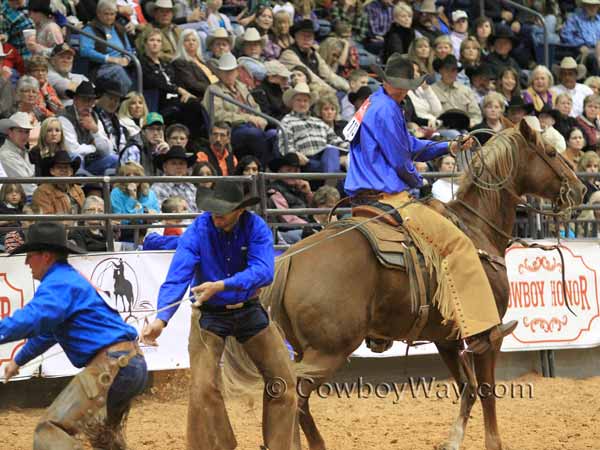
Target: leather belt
(231, 307)
(125, 346)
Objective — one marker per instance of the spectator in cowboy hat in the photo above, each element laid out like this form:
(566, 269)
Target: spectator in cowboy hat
(84, 133)
(452, 94)
(176, 163)
(63, 198)
(548, 117)
(480, 77)
(503, 41)
(109, 95)
(516, 109)
(66, 309)
(428, 23)
(162, 13)
(219, 43)
(568, 74)
(302, 53)
(14, 152)
(582, 28)
(315, 143)
(60, 75)
(269, 93)
(251, 65)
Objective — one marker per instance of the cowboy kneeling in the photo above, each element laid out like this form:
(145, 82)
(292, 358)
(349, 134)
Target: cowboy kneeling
(66, 309)
(227, 255)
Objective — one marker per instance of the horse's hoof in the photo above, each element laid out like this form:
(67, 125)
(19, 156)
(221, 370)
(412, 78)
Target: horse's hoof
(447, 446)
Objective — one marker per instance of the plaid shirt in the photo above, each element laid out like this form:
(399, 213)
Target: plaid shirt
(12, 24)
(308, 135)
(353, 17)
(186, 190)
(379, 18)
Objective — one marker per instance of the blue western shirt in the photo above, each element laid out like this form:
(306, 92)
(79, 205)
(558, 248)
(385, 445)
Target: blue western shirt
(383, 152)
(243, 259)
(66, 309)
(579, 29)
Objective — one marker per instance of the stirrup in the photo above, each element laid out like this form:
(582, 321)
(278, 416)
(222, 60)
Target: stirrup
(378, 345)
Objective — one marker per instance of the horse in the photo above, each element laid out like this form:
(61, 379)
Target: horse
(123, 288)
(328, 299)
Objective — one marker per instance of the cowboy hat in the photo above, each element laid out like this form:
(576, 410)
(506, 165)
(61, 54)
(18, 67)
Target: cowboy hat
(481, 70)
(303, 25)
(109, 86)
(17, 120)
(225, 63)
(289, 159)
(399, 73)
(175, 152)
(224, 198)
(219, 33)
(427, 7)
(503, 32)
(84, 89)
(47, 236)
(275, 68)
(547, 109)
(517, 101)
(164, 4)
(300, 88)
(60, 157)
(569, 63)
(448, 61)
(455, 119)
(250, 35)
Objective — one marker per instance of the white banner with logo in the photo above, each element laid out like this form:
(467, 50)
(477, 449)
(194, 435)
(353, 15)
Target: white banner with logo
(130, 282)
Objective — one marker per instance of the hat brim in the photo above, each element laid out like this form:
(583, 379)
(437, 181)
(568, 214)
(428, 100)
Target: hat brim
(289, 95)
(162, 158)
(399, 83)
(71, 94)
(581, 71)
(41, 247)
(528, 107)
(75, 163)
(456, 120)
(211, 39)
(207, 202)
(7, 124)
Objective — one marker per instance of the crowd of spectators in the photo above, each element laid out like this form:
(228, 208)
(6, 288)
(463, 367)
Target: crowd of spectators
(69, 104)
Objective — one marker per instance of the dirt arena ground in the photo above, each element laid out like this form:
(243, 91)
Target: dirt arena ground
(563, 414)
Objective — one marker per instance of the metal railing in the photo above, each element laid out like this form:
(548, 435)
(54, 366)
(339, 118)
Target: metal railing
(211, 112)
(130, 55)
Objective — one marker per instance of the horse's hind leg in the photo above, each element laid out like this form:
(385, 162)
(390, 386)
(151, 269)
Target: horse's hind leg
(485, 367)
(450, 355)
(326, 365)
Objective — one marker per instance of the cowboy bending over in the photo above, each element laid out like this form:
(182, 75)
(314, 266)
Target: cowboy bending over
(381, 172)
(227, 255)
(66, 309)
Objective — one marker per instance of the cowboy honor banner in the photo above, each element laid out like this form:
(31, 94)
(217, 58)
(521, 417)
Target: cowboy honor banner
(129, 282)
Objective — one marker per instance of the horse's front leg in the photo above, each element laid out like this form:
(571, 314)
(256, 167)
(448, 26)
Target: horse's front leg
(485, 367)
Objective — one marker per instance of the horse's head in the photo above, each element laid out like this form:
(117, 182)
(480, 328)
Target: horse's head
(545, 173)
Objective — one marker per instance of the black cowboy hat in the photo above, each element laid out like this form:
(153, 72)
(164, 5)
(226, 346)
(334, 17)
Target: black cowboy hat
(482, 70)
(109, 86)
(47, 236)
(455, 119)
(303, 25)
(224, 198)
(547, 109)
(399, 72)
(42, 6)
(289, 159)
(503, 32)
(448, 61)
(85, 89)
(362, 94)
(60, 157)
(175, 152)
(517, 101)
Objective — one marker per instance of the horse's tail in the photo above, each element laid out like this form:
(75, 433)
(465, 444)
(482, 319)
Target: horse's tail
(240, 375)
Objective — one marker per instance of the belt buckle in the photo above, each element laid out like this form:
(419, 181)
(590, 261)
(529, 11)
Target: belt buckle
(235, 306)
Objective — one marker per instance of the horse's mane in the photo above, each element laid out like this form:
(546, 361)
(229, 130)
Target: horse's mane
(493, 163)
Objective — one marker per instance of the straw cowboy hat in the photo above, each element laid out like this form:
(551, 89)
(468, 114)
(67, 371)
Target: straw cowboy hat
(17, 120)
(569, 63)
(250, 35)
(427, 7)
(224, 198)
(225, 63)
(300, 88)
(275, 68)
(219, 33)
(47, 236)
(60, 157)
(165, 4)
(399, 73)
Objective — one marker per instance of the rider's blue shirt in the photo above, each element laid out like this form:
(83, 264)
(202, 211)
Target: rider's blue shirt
(243, 259)
(383, 152)
(66, 309)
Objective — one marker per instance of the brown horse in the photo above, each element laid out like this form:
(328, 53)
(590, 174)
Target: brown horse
(329, 298)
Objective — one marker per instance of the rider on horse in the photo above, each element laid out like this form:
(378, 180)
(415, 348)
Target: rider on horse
(382, 171)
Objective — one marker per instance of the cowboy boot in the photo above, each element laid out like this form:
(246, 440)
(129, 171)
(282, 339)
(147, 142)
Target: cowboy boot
(482, 342)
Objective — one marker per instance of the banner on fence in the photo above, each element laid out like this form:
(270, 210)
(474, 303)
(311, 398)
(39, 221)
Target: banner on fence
(537, 301)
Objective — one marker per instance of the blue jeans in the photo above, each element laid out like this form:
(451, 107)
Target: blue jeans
(99, 165)
(129, 382)
(326, 161)
(246, 139)
(242, 323)
(117, 73)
